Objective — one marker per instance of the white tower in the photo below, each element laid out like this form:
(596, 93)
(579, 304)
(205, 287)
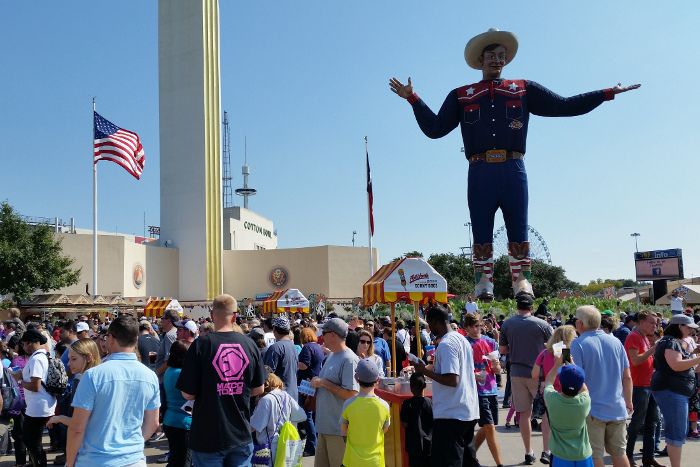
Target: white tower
(246, 191)
(190, 142)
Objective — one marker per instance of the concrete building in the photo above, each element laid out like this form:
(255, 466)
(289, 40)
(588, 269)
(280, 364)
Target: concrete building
(140, 270)
(247, 230)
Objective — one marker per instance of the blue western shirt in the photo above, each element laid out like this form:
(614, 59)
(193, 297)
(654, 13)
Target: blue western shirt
(116, 393)
(494, 114)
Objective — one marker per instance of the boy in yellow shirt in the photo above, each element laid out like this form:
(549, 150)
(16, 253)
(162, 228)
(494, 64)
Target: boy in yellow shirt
(364, 420)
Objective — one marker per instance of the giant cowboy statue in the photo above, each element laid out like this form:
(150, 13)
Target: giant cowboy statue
(493, 115)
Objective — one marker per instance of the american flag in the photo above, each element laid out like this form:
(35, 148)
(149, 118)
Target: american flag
(118, 145)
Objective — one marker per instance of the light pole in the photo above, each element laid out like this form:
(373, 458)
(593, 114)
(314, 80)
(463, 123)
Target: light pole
(636, 236)
(468, 225)
(354, 232)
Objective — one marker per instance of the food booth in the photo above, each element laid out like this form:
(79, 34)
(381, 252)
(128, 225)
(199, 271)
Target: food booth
(409, 280)
(157, 308)
(284, 301)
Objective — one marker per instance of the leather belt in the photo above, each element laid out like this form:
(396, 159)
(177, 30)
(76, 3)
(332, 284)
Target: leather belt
(496, 156)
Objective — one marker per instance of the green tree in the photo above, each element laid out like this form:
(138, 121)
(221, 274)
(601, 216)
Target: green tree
(30, 258)
(409, 254)
(456, 269)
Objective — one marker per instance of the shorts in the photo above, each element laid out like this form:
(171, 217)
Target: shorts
(488, 410)
(559, 462)
(607, 436)
(524, 391)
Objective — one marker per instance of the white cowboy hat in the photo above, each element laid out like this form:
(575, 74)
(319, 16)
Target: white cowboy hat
(476, 45)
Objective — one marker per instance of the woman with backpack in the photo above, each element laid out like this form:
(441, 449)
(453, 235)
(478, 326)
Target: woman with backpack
(83, 354)
(274, 408)
(40, 404)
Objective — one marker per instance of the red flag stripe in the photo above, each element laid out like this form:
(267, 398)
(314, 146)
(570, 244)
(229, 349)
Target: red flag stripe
(126, 160)
(111, 154)
(121, 162)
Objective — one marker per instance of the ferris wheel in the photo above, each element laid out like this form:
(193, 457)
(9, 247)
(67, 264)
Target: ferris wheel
(538, 247)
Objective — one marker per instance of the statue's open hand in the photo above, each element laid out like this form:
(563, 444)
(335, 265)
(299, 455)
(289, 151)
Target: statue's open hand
(620, 88)
(398, 87)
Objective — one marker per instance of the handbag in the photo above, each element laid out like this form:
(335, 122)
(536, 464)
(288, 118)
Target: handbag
(538, 406)
(262, 453)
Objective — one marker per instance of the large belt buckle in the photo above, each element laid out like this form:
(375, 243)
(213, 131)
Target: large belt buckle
(495, 155)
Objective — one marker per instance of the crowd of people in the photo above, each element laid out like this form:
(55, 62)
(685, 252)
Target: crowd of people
(233, 392)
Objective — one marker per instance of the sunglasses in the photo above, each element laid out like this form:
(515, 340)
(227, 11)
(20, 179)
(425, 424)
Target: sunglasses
(365, 342)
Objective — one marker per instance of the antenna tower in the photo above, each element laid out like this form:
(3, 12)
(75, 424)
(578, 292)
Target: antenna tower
(246, 191)
(226, 155)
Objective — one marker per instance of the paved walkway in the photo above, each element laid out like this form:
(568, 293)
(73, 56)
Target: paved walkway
(510, 442)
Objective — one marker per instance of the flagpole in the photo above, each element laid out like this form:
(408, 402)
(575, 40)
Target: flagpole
(94, 205)
(369, 222)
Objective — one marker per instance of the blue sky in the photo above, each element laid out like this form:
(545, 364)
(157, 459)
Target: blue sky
(305, 81)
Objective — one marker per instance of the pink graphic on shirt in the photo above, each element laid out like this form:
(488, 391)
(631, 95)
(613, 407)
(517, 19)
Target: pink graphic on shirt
(230, 362)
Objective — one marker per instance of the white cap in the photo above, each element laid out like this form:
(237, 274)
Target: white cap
(82, 326)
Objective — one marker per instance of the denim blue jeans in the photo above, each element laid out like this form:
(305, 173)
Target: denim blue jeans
(674, 406)
(310, 446)
(236, 456)
(493, 186)
(644, 419)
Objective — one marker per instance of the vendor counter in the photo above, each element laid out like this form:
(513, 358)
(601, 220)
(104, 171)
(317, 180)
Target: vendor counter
(394, 392)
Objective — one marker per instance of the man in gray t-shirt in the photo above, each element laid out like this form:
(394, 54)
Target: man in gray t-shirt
(523, 337)
(167, 324)
(335, 384)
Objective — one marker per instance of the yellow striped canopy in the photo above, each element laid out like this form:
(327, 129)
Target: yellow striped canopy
(156, 308)
(288, 300)
(405, 280)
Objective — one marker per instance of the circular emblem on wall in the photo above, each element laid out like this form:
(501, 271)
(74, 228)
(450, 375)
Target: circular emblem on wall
(137, 275)
(279, 276)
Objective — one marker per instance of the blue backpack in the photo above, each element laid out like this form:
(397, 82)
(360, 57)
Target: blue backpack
(12, 396)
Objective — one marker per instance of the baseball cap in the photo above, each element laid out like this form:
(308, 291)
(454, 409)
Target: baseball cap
(81, 327)
(189, 325)
(524, 300)
(337, 326)
(32, 335)
(366, 372)
(571, 378)
(606, 313)
(281, 322)
(683, 319)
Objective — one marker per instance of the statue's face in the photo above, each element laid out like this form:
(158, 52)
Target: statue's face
(493, 61)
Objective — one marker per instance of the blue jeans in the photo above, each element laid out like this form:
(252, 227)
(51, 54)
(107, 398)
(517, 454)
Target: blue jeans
(310, 446)
(644, 419)
(498, 185)
(236, 456)
(674, 406)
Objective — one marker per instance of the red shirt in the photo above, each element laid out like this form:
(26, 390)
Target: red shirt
(641, 374)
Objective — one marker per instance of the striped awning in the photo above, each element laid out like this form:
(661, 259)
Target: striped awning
(288, 300)
(405, 280)
(156, 308)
